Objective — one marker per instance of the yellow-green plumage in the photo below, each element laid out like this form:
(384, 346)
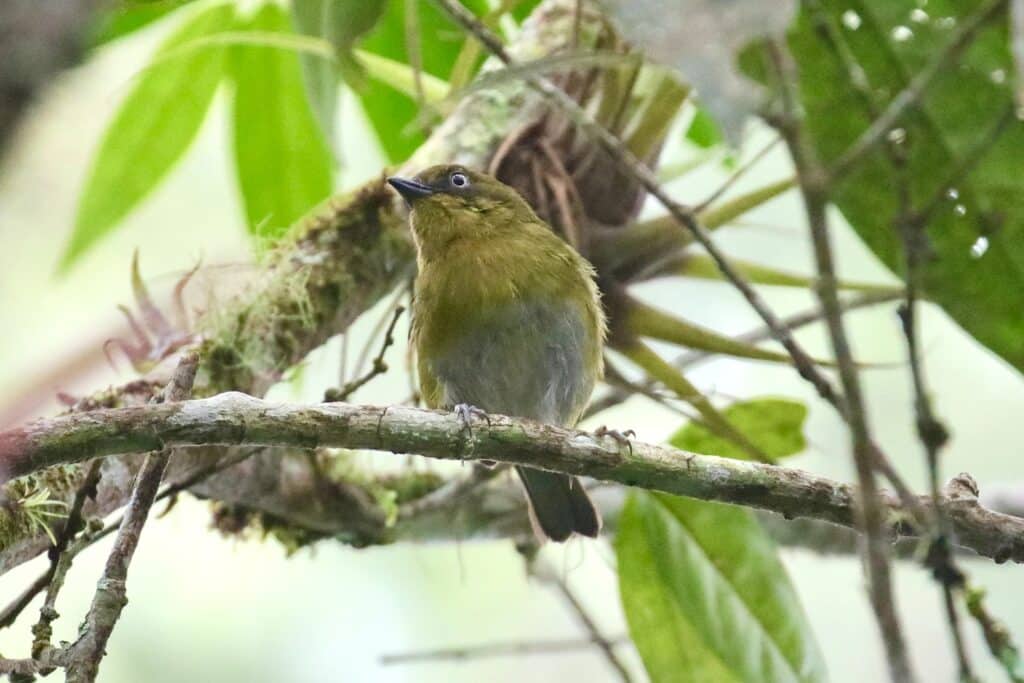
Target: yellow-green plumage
(506, 318)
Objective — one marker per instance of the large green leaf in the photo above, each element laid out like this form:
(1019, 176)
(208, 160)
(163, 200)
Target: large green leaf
(391, 113)
(775, 425)
(706, 597)
(977, 233)
(154, 126)
(284, 166)
(127, 17)
(341, 23)
(704, 592)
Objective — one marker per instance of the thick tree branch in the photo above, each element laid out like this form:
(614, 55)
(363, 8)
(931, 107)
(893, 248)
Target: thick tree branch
(239, 419)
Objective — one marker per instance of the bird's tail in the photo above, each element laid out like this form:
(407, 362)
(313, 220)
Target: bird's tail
(558, 505)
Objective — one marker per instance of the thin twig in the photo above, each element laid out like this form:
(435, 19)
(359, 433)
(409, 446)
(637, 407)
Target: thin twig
(911, 227)
(82, 659)
(413, 53)
(814, 186)
(18, 605)
(61, 559)
(1017, 45)
(794, 322)
(496, 650)
(378, 367)
(605, 645)
(51, 579)
(735, 176)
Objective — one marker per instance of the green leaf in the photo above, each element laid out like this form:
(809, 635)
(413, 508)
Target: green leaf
(128, 17)
(284, 166)
(706, 597)
(392, 114)
(341, 23)
(154, 126)
(773, 424)
(975, 269)
(401, 76)
(703, 131)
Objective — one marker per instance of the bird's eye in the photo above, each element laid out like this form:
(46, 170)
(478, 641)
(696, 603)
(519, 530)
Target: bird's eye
(459, 179)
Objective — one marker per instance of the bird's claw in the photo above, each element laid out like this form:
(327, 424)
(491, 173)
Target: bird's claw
(466, 413)
(622, 438)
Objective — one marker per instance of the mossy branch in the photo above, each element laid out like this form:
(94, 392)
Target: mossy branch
(238, 419)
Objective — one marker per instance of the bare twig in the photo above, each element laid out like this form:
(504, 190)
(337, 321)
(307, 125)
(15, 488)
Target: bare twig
(605, 645)
(412, 49)
(18, 605)
(814, 188)
(735, 176)
(795, 322)
(495, 650)
(82, 659)
(378, 367)
(60, 560)
(912, 229)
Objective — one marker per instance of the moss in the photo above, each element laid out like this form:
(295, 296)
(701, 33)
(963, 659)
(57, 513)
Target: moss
(346, 254)
(388, 492)
(16, 522)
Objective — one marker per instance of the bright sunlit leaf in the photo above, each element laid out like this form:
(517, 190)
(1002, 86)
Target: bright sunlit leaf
(124, 18)
(281, 157)
(151, 131)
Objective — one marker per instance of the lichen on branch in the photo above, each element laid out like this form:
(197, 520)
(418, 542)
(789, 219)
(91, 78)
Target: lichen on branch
(236, 419)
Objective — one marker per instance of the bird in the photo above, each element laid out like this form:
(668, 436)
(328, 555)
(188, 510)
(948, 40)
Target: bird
(506, 319)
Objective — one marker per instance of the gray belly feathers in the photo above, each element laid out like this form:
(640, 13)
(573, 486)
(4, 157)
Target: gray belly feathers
(528, 362)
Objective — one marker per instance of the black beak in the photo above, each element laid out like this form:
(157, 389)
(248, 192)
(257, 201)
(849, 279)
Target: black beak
(411, 190)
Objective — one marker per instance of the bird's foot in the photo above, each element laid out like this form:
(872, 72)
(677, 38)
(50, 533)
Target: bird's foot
(622, 438)
(466, 413)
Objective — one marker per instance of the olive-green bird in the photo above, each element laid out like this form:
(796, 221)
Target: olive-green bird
(507, 319)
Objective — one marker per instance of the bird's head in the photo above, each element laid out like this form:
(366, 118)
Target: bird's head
(450, 202)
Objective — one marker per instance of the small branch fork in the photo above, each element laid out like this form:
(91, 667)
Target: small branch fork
(378, 367)
(82, 658)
